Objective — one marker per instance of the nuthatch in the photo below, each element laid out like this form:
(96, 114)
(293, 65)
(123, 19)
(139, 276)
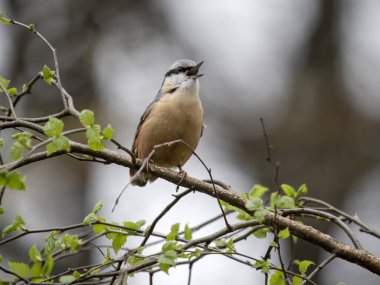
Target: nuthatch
(175, 114)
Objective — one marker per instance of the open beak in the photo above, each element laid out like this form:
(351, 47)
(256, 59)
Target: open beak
(193, 72)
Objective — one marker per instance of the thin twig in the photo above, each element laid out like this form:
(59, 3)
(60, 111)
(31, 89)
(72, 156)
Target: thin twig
(28, 232)
(364, 228)
(167, 208)
(14, 274)
(120, 146)
(331, 217)
(60, 114)
(283, 269)
(55, 57)
(190, 271)
(27, 90)
(276, 165)
(2, 191)
(11, 107)
(319, 268)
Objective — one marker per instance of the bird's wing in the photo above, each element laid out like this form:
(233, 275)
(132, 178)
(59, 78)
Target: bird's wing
(203, 125)
(143, 117)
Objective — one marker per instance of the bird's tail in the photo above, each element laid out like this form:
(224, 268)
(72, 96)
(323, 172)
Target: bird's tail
(141, 179)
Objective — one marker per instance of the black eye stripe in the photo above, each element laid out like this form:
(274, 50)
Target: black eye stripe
(177, 70)
(172, 90)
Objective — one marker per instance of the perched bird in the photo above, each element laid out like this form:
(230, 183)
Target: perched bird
(176, 113)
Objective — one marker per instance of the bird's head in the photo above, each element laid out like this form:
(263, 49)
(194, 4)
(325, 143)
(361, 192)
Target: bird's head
(182, 74)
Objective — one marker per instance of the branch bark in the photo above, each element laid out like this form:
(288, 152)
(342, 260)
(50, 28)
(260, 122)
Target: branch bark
(360, 257)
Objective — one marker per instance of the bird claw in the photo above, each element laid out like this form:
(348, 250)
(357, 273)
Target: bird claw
(182, 173)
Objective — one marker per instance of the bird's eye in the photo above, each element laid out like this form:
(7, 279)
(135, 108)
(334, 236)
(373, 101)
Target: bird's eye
(177, 70)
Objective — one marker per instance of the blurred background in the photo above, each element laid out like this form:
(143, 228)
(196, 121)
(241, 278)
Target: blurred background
(309, 68)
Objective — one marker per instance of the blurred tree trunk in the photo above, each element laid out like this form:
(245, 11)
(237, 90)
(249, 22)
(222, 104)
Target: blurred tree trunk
(322, 139)
(74, 28)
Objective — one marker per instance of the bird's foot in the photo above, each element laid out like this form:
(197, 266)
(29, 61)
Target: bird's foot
(182, 173)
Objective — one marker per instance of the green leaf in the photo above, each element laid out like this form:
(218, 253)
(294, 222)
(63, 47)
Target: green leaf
(230, 245)
(285, 202)
(93, 132)
(277, 278)
(19, 221)
(1, 210)
(243, 216)
(20, 268)
(32, 28)
(36, 271)
(98, 229)
(274, 196)
(273, 244)
(1, 143)
(170, 254)
(165, 263)
(220, 243)
(118, 241)
(13, 180)
(70, 241)
(4, 20)
(288, 190)
(140, 249)
(76, 274)
(130, 225)
(74, 244)
(297, 280)
(3, 178)
(140, 223)
(260, 214)
(173, 232)
(87, 118)
(17, 225)
(169, 245)
(303, 265)
(5, 83)
(254, 203)
(134, 260)
(24, 88)
(34, 254)
(166, 260)
(302, 190)
(107, 257)
(54, 127)
(285, 233)
(263, 265)
(48, 74)
(48, 267)
(196, 253)
(17, 150)
(261, 233)
(90, 218)
(12, 91)
(163, 266)
(188, 233)
(94, 139)
(16, 181)
(108, 132)
(98, 206)
(23, 138)
(258, 191)
(50, 243)
(66, 279)
(58, 144)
